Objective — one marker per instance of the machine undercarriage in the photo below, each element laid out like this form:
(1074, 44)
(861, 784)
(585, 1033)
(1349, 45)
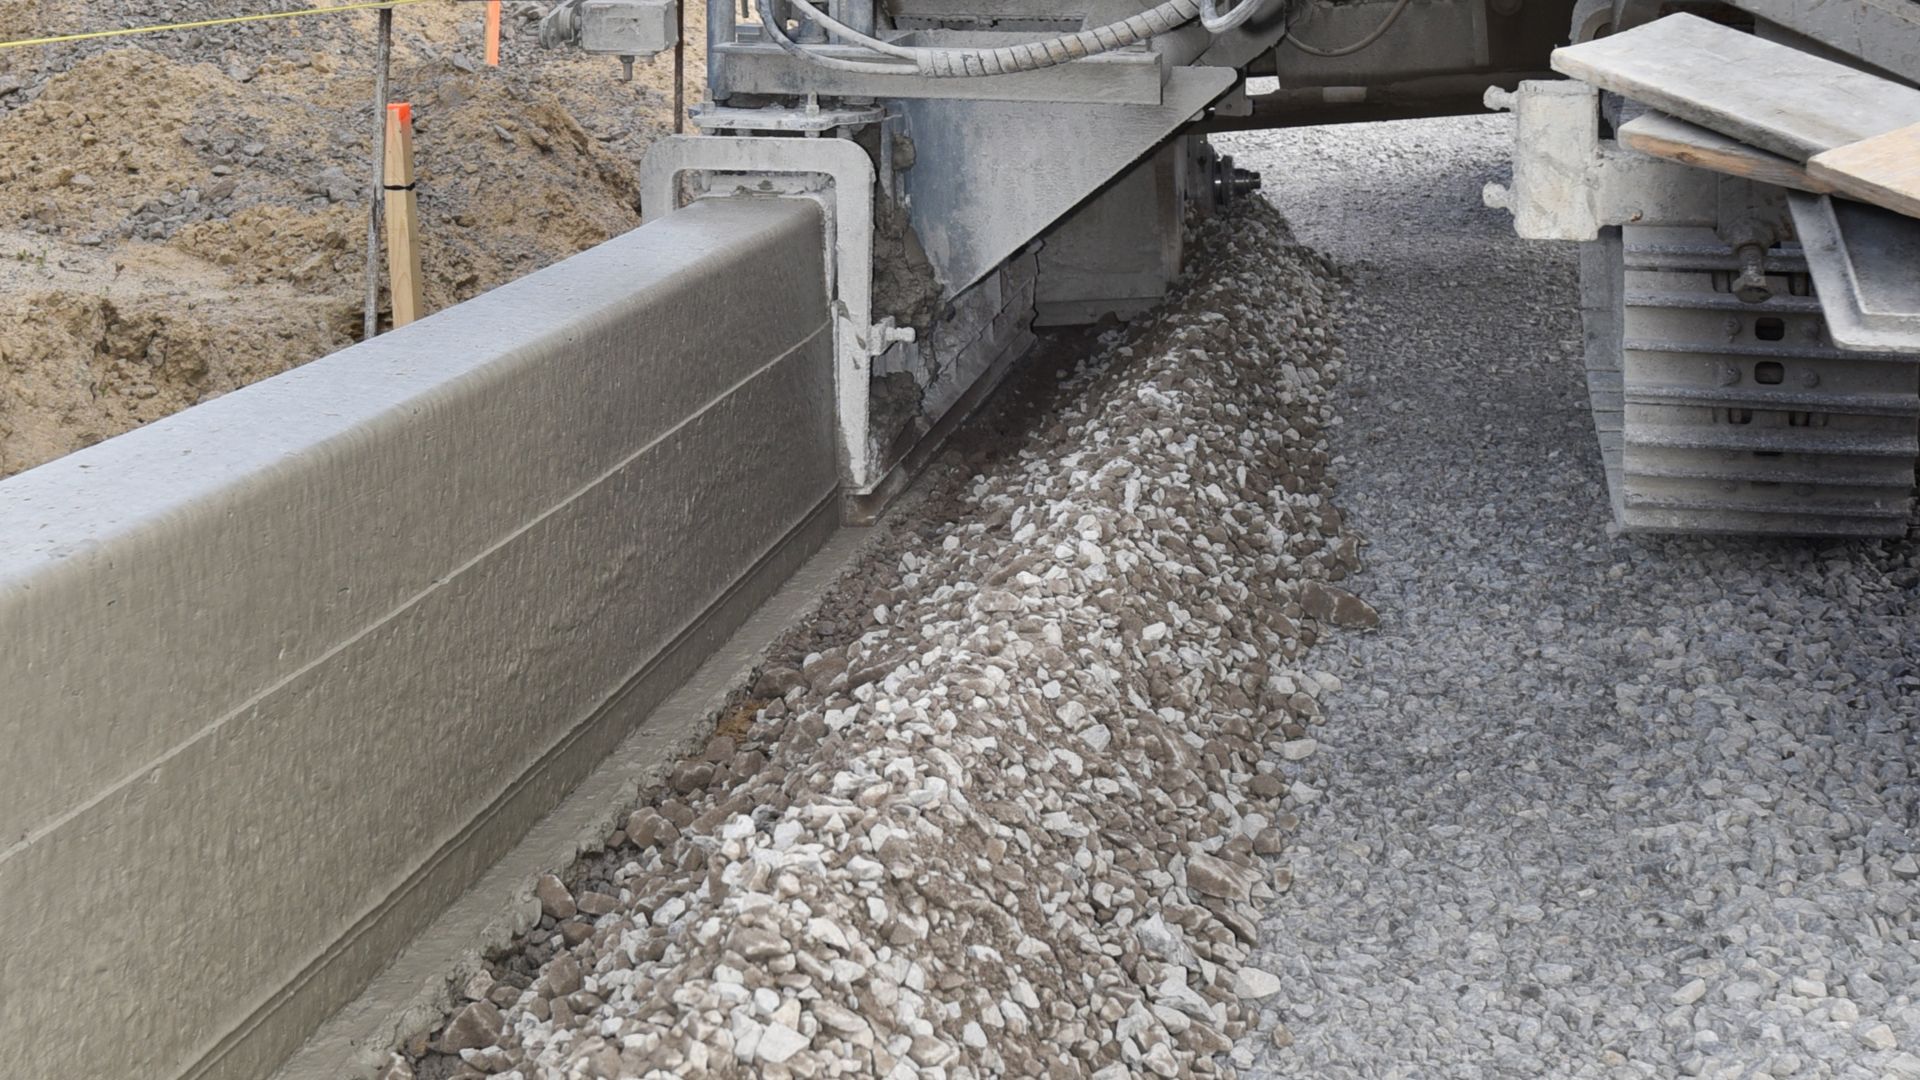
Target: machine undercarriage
(990, 167)
(1750, 344)
(1053, 191)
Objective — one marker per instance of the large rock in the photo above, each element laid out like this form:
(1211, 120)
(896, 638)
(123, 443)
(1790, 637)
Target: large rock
(1255, 984)
(780, 1042)
(648, 828)
(473, 1027)
(1218, 878)
(555, 901)
(1336, 606)
(563, 976)
(776, 680)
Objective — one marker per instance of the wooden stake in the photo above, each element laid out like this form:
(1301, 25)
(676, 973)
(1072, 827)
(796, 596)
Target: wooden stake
(493, 33)
(403, 235)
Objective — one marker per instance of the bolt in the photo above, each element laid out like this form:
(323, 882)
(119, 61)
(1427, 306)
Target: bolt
(1751, 286)
(1809, 379)
(1729, 374)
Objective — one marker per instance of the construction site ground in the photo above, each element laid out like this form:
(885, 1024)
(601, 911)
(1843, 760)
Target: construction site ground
(183, 213)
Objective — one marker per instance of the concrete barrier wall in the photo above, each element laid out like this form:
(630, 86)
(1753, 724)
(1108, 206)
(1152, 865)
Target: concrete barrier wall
(281, 674)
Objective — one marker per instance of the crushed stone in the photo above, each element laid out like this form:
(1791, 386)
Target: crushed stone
(1014, 824)
(1591, 806)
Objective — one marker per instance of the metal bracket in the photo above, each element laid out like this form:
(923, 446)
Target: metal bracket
(1862, 259)
(1568, 183)
(811, 120)
(847, 206)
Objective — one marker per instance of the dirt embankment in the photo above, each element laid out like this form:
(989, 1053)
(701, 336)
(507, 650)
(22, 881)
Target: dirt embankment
(185, 213)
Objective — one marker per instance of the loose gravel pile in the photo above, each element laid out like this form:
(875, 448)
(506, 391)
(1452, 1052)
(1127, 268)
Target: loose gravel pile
(1024, 823)
(1594, 807)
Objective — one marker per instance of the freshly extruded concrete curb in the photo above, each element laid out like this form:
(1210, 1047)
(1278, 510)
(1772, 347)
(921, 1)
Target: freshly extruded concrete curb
(295, 666)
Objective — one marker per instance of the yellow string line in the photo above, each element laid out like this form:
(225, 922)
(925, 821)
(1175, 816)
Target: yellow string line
(227, 21)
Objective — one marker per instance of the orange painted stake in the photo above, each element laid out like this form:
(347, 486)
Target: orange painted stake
(403, 235)
(493, 33)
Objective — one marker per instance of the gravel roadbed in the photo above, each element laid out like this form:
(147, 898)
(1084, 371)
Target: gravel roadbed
(1594, 807)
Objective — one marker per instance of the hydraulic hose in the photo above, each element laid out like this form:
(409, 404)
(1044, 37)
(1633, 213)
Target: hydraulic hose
(1217, 23)
(779, 37)
(953, 63)
(1348, 50)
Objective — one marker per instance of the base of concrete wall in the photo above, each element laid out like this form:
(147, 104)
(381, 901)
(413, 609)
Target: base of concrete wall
(417, 990)
(548, 780)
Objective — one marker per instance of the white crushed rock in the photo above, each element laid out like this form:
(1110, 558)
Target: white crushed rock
(1025, 823)
(1592, 806)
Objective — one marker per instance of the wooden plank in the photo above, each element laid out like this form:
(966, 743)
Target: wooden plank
(1883, 170)
(403, 237)
(1662, 136)
(1764, 94)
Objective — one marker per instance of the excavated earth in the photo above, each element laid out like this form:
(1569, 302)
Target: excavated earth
(1011, 805)
(184, 213)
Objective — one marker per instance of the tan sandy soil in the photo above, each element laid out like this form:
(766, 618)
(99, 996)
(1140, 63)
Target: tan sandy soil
(182, 214)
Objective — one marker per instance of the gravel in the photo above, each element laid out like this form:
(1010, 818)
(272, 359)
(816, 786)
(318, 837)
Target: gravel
(1059, 789)
(1591, 806)
(1020, 820)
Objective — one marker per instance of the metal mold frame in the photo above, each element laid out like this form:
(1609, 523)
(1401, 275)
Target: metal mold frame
(846, 198)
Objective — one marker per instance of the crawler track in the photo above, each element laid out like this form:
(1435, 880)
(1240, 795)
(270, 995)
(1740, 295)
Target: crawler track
(1718, 415)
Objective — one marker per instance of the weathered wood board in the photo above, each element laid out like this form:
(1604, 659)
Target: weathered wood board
(1758, 92)
(1884, 170)
(1663, 136)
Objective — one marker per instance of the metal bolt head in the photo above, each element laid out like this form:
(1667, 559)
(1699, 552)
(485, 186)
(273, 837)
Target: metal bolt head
(1751, 286)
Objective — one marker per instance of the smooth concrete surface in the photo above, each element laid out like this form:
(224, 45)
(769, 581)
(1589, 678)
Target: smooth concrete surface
(418, 989)
(284, 673)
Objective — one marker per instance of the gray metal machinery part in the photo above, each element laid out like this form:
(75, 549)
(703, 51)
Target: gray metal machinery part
(1034, 160)
(1036, 156)
(1722, 400)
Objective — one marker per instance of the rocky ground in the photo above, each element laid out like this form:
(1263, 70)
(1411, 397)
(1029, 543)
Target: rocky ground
(184, 213)
(1014, 804)
(1593, 806)
(1054, 786)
